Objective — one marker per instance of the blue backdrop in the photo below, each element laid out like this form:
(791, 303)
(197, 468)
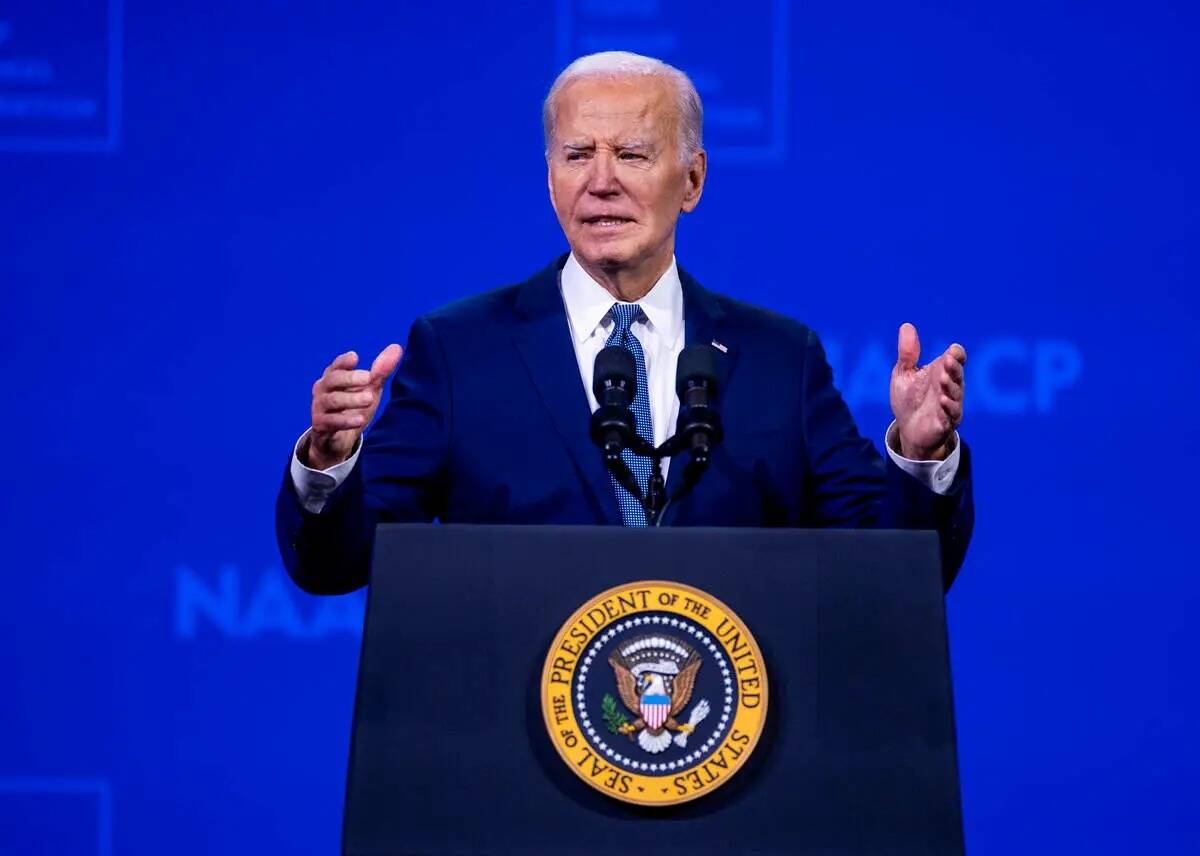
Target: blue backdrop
(202, 202)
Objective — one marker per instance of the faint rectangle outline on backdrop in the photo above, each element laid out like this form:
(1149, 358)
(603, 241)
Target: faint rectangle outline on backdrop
(110, 140)
(98, 788)
(775, 147)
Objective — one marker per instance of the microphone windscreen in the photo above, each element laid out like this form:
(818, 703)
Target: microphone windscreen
(614, 365)
(697, 363)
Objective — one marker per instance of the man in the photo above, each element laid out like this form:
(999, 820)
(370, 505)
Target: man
(488, 416)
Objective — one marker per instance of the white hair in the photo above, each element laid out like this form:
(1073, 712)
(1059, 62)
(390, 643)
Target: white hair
(617, 64)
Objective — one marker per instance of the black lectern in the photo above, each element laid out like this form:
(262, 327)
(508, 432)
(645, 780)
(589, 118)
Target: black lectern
(450, 752)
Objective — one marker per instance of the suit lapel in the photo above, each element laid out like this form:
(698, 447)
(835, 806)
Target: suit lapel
(704, 324)
(543, 339)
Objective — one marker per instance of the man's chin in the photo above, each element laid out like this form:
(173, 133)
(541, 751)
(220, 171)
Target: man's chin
(606, 255)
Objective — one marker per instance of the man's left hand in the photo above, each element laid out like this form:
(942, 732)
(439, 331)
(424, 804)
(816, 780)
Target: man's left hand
(927, 402)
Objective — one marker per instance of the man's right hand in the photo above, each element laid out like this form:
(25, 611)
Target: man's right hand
(344, 401)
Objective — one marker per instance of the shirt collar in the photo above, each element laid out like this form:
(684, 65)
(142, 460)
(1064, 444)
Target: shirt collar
(588, 303)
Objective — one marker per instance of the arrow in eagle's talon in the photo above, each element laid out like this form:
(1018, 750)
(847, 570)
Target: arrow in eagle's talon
(698, 713)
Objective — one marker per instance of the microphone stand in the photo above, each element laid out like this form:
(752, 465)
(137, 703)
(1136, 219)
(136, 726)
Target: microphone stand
(698, 434)
(655, 500)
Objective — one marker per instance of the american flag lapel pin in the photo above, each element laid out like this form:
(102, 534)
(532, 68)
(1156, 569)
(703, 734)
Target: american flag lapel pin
(720, 347)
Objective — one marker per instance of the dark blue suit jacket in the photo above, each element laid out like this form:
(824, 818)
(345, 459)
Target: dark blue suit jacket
(487, 422)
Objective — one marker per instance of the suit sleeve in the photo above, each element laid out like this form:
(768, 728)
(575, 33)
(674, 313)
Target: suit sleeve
(400, 476)
(850, 485)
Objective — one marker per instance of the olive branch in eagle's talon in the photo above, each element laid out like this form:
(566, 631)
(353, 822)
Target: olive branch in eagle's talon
(617, 722)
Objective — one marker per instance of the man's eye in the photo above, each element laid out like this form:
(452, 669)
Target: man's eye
(574, 156)
(632, 156)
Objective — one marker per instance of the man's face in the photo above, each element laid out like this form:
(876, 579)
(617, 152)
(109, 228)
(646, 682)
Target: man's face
(616, 179)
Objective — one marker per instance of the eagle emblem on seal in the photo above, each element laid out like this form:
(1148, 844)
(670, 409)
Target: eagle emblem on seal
(655, 677)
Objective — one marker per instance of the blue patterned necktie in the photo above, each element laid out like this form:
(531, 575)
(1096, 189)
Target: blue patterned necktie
(623, 315)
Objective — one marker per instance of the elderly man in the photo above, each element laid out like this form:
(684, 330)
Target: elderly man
(487, 420)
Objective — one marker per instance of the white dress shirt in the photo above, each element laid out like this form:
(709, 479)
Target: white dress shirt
(660, 334)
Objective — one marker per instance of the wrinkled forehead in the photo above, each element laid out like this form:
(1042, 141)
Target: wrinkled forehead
(611, 110)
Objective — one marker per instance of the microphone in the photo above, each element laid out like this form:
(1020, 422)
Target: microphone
(614, 382)
(699, 426)
(613, 425)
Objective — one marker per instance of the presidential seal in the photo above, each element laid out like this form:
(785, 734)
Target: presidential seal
(654, 693)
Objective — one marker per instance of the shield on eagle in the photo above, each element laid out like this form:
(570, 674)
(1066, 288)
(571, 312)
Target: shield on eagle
(655, 710)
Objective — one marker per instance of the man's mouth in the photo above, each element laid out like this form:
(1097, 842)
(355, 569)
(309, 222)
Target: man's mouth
(607, 220)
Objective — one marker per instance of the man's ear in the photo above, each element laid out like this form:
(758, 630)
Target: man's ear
(697, 170)
(550, 183)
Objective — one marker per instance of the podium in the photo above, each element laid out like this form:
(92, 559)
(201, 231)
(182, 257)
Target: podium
(450, 751)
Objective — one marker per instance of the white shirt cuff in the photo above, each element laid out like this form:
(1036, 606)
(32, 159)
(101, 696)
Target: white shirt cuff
(935, 475)
(313, 487)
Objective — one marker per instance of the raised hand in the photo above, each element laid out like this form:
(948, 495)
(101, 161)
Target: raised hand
(927, 402)
(344, 400)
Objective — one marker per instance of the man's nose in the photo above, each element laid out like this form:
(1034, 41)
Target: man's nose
(602, 180)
